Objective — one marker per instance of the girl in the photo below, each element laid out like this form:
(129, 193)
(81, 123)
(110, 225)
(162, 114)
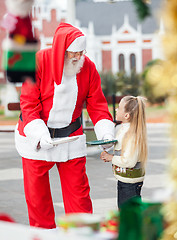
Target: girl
(130, 152)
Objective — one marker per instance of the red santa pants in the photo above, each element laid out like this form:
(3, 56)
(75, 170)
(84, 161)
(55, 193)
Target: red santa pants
(75, 189)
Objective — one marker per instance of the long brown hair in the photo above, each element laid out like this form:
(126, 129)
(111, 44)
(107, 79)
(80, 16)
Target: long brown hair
(137, 132)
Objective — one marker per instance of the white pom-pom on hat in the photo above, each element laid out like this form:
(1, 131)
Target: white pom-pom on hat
(78, 45)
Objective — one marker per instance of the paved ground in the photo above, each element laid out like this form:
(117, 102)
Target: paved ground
(102, 182)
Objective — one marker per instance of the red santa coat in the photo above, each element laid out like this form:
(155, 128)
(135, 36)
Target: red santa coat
(56, 100)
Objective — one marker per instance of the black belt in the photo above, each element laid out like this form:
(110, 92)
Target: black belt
(66, 131)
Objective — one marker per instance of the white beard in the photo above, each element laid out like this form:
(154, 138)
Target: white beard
(73, 66)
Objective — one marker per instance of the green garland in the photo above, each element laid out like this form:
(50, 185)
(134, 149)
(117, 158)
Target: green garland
(142, 9)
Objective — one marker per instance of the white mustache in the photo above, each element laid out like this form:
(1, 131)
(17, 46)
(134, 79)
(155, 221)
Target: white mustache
(74, 59)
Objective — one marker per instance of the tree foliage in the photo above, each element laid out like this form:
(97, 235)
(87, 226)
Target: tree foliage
(108, 83)
(128, 84)
(131, 84)
(120, 83)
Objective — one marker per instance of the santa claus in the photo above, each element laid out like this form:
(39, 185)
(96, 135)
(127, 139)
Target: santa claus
(51, 109)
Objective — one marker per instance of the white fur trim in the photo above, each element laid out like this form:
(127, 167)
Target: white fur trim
(78, 45)
(34, 131)
(104, 127)
(64, 102)
(61, 153)
(9, 44)
(19, 7)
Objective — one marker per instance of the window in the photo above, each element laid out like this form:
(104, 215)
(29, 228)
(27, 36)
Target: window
(132, 62)
(121, 63)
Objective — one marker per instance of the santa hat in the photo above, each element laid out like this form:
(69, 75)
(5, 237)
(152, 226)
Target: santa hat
(66, 38)
(78, 45)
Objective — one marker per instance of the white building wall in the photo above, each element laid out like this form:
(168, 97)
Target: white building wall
(157, 47)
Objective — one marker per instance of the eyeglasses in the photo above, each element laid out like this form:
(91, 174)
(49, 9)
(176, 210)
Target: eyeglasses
(77, 54)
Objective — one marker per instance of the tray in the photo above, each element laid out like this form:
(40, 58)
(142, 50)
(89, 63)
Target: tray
(102, 142)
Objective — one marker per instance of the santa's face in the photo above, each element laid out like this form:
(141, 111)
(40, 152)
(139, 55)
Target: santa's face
(73, 63)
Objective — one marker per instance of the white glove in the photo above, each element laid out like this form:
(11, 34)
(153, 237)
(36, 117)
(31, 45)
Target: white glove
(108, 146)
(45, 142)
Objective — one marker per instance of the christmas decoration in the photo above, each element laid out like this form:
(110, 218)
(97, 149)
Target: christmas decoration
(142, 9)
(79, 220)
(111, 223)
(140, 220)
(20, 46)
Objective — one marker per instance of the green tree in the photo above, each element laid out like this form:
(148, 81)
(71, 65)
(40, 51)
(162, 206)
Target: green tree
(128, 84)
(108, 83)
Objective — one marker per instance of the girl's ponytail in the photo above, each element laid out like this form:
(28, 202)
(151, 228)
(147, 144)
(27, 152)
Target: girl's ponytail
(141, 130)
(135, 106)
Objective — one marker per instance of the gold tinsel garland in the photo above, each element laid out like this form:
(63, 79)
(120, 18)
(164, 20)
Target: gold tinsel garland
(164, 78)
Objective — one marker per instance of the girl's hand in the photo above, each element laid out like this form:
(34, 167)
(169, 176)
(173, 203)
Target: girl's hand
(106, 157)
